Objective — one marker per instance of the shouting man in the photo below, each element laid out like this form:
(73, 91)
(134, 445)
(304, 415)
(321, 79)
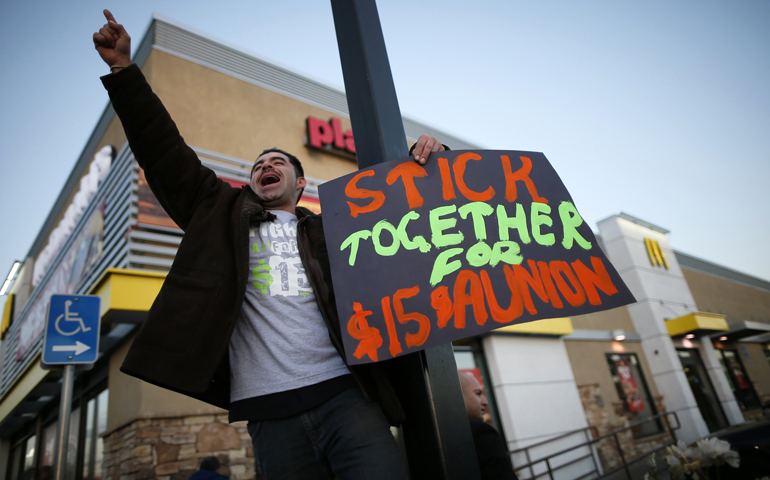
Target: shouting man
(222, 330)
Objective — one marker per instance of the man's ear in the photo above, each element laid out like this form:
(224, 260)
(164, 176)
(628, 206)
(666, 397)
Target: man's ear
(301, 182)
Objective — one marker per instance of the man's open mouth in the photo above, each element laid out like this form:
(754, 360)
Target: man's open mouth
(269, 179)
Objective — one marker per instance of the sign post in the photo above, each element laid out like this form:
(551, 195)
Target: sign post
(427, 383)
(71, 338)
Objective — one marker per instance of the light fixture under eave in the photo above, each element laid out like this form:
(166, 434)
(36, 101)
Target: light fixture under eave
(690, 336)
(722, 339)
(619, 335)
(11, 276)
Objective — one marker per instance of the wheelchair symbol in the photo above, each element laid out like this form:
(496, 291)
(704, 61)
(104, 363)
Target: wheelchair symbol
(70, 317)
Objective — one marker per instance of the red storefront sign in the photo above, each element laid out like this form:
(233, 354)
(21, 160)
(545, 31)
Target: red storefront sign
(628, 383)
(329, 135)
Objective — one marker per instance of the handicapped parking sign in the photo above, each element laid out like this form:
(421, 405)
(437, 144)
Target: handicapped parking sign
(72, 330)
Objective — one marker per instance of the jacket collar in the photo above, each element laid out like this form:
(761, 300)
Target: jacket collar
(252, 208)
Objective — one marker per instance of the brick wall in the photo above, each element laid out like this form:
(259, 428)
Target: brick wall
(171, 448)
(597, 416)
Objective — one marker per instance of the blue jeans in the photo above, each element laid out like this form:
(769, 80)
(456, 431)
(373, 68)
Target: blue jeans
(346, 437)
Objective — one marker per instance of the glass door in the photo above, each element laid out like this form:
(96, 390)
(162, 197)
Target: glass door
(702, 389)
(738, 379)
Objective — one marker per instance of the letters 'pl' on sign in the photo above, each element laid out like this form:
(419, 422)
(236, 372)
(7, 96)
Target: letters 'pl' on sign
(329, 136)
(422, 255)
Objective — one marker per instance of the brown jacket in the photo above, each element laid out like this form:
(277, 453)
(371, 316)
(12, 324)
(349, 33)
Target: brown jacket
(183, 344)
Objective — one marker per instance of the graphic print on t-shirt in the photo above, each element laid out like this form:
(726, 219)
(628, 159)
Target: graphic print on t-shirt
(279, 270)
(263, 280)
(280, 341)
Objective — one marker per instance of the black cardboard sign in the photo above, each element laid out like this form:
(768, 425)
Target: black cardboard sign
(471, 241)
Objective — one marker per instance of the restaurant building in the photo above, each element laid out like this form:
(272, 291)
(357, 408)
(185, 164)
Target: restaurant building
(695, 343)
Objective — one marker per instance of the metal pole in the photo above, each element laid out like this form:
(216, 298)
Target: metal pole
(374, 112)
(437, 433)
(548, 465)
(590, 448)
(622, 457)
(529, 462)
(63, 430)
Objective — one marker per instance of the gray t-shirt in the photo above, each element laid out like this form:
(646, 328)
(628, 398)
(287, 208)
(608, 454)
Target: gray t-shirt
(280, 341)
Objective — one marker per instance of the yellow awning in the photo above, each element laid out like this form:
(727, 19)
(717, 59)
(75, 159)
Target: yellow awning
(548, 326)
(697, 322)
(124, 292)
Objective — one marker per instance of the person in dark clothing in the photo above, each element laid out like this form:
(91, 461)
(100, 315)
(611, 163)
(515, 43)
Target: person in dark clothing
(494, 461)
(209, 470)
(222, 330)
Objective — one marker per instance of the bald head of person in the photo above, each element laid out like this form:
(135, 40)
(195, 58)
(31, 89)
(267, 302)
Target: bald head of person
(473, 394)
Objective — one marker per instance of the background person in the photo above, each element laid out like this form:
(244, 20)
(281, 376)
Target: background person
(209, 470)
(494, 461)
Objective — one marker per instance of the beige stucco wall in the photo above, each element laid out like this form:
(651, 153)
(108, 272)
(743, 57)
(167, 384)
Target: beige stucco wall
(131, 398)
(589, 364)
(125, 397)
(221, 113)
(605, 320)
(737, 301)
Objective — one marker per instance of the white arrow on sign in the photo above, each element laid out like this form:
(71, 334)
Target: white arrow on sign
(78, 348)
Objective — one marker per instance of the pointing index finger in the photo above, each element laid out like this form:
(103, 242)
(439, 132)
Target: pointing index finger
(118, 28)
(109, 17)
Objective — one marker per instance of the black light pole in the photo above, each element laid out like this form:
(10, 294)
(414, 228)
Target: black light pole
(437, 434)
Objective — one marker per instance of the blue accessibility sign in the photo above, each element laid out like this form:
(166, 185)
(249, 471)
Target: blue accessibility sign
(72, 330)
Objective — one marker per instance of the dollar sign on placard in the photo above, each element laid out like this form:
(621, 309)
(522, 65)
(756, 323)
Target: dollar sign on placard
(359, 329)
(263, 280)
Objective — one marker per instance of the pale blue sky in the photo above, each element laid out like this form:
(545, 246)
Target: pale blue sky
(658, 109)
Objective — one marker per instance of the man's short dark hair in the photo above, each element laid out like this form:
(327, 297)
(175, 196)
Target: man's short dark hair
(210, 463)
(294, 161)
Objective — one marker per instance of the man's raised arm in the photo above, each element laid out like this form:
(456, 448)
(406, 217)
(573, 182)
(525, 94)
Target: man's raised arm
(172, 169)
(113, 43)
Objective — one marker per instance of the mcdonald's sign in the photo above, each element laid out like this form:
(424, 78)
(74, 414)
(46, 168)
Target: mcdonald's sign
(657, 259)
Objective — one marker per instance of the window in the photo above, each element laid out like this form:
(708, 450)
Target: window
(72, 444)
(633, 392)
(96, 424)
(29, 458)
(739, 382)
(13, 464)
(21, 464)
(48, 445)
(85, 447)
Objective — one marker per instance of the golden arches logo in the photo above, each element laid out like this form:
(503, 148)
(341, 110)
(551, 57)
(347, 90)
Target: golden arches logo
(657, 259)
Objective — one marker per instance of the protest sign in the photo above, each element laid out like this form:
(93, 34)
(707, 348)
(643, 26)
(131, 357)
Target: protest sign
(469, 242)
